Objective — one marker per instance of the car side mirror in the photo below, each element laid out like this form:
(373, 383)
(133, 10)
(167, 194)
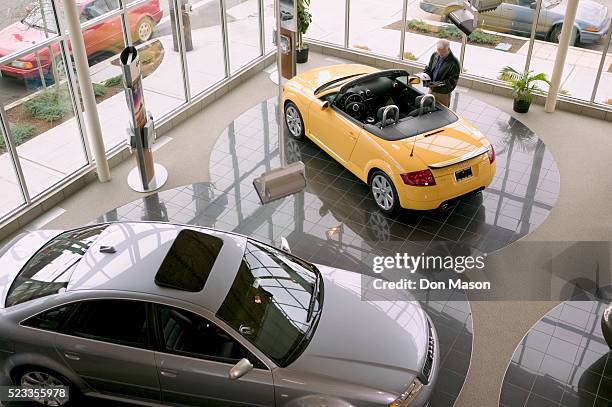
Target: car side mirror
(325, 105)
(240, 369)
(284, 245)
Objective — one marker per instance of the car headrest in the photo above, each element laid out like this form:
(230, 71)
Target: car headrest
(427, 101)
(392, 115)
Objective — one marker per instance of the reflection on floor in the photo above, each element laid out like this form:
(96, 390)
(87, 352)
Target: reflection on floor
(563, 360)
(524, 190)
(335, 222)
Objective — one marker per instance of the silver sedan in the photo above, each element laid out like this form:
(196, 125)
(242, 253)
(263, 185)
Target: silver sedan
(161, 314)
(517, 16)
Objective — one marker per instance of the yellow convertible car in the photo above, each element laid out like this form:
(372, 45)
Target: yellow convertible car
(412, 152)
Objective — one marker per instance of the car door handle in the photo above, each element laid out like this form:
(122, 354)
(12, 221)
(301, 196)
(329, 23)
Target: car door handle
(168, 373)
(72, 356)
(352, 135)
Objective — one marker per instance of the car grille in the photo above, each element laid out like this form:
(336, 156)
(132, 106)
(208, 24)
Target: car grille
(431, 349)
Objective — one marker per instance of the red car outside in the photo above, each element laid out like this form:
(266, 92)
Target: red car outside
(101, 40)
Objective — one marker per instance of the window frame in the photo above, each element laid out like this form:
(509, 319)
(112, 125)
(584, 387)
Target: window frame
(161, 345)
(149, 343)
(74, 305)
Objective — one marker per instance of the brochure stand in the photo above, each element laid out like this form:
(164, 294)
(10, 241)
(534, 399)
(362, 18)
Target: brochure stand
(147, 176)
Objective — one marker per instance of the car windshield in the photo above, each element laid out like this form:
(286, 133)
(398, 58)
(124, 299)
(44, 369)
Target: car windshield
(49, 270)
(335, 83)
(41, 16)
(274, 302)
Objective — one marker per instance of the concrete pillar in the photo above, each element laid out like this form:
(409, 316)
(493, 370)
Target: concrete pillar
(94, 131)
(564, 42)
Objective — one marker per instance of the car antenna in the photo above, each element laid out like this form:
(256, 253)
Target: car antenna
(420, 113)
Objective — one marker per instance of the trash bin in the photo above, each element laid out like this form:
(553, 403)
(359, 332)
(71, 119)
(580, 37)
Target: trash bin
(185, 9)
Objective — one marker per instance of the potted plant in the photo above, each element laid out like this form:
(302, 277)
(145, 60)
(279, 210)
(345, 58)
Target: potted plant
(304, 18)
(523, 85)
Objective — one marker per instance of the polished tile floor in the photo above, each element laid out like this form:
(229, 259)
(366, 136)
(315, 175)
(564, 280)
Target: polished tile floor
(335, 222)
(563, 360)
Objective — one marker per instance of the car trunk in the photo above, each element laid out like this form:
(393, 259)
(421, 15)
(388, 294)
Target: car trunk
(445, 148)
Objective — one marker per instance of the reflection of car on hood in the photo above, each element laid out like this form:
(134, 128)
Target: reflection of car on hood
(101, 40)
(517, 17)
(412, 152)
(148, 312)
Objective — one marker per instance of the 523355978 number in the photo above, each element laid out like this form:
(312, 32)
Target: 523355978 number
(23, 393)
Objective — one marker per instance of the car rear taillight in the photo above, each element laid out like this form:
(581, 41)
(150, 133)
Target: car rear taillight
(421, 178)
(491, 153)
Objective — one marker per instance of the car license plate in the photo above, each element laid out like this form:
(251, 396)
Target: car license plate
(463, 174)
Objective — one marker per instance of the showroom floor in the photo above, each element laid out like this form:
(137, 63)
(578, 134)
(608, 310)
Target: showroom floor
(580, 212)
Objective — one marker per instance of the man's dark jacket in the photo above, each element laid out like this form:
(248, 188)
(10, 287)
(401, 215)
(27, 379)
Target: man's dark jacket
(448, 73)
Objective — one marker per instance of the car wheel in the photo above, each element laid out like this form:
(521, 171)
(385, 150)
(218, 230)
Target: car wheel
(39, 377)
(144, 29)
(555, 34)
(383, 192)
(294, 121)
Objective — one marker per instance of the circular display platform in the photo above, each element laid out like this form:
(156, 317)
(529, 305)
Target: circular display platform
(564, 359)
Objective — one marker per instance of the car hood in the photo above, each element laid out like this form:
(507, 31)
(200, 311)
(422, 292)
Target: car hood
(15, 254)
(19, 36)
(378, 344)
(589, 12)
(314, 78)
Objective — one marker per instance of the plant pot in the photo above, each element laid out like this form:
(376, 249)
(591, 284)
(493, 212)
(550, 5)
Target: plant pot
(521, 105)
(301, 55)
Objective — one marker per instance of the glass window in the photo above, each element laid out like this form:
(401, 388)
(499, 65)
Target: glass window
(24, 23)
(274, 302)
(160, 62)
(94, 9)
(42, 119)
(51, 320)
(49, 270)
(327, 21)
(203, 45)
(243, 33)
(186, 333)
(116, 321)
(12, 196)
(189, 262)
(376, 27)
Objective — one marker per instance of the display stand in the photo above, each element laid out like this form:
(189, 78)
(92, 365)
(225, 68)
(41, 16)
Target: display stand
(147, 176)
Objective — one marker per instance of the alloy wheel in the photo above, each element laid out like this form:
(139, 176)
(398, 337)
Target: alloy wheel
(145, 31)
(383, 192)
(294, 122)
(44, 379)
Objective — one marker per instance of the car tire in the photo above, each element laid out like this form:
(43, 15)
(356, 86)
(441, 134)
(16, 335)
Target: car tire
(145, 29)
(34, 376)
(555, 33)
(384, 193)
(294, 121)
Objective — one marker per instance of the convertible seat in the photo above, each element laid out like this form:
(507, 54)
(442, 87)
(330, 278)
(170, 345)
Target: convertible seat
(428, 107)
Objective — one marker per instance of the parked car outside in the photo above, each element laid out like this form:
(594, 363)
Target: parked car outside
(101, 40)
(517, 16)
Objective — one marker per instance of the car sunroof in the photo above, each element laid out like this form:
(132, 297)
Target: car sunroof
(189, 262)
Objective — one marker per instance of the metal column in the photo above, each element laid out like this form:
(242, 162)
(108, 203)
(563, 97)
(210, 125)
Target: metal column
(94, 130)
(403, 30)
(564, 41)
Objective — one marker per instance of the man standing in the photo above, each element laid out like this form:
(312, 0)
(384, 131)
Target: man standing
(443, 69)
